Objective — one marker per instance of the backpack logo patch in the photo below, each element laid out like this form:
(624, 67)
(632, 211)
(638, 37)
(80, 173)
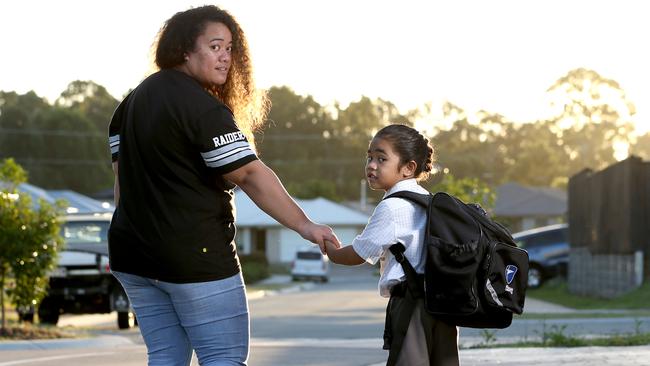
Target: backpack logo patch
(511, 270)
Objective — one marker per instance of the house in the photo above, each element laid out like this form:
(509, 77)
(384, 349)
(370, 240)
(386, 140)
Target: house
(529, 207)
(257, 231)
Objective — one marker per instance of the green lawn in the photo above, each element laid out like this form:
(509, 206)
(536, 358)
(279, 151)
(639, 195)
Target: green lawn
(559, 339)
(556, 291)
(267, 287)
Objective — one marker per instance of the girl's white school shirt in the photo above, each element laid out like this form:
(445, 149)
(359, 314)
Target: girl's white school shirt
(394, 220)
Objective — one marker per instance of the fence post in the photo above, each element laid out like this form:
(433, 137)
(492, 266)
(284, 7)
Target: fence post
(638, 267)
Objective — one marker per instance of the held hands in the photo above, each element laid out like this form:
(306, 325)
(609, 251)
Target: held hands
(330, 247)
(319, 234)
(346, 256)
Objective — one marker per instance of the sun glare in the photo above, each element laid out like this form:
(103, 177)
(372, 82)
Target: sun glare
(621, 150)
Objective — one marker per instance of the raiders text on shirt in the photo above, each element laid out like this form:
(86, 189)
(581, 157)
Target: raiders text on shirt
(228, 138)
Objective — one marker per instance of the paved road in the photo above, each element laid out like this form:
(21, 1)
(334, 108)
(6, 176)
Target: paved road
(133, 355)
(338, 323)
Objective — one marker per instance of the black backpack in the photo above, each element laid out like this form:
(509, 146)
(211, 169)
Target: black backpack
(475, 276)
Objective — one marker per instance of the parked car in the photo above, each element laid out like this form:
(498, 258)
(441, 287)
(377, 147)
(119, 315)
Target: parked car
(548, 252)
(82, 282)
(310, 264)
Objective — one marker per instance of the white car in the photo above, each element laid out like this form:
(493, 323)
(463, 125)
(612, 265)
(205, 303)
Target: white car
(310, 264)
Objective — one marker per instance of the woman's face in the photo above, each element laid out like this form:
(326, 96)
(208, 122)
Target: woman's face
(209, 62)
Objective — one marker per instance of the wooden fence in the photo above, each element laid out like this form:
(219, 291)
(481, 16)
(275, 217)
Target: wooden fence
(609, 215)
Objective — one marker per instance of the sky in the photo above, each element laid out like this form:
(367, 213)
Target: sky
(500, 56)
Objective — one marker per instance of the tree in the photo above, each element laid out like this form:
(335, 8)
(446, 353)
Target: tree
(295, 143)
(532, 155)
(590, 128)
(29, 241)
(319, 151)
(592, 116)
(91, 100)
(469, 190)
(642, 147)
(313, 188)
(353, 129)
(61, 145)
(17, 123)
(468, 150)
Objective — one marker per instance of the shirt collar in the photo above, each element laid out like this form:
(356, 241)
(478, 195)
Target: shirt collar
(403, 185)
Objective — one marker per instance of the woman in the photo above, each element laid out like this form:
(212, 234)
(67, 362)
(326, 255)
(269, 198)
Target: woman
(182, 140)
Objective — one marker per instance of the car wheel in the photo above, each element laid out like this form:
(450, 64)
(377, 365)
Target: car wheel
(125, 319)
(26, 317)
(48, 312)
(535, 277)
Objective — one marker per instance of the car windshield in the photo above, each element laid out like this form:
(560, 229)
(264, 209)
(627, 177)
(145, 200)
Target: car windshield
(309, 255)
(543, 239)
(85, 232)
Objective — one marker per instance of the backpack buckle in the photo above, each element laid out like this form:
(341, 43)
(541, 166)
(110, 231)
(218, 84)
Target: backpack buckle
(398, 252)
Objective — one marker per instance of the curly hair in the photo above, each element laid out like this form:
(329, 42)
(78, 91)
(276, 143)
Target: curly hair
(409, 144)
(178, 36)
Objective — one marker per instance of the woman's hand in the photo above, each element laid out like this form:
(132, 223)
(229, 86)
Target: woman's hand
(318, 234)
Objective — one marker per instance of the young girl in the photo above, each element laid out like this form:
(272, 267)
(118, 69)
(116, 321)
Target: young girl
(399, 157)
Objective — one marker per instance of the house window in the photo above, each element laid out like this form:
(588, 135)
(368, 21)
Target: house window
(258, 239)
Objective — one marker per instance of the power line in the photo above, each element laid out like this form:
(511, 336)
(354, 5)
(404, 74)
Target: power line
(62, 162)
(37, 132)
(281, 162)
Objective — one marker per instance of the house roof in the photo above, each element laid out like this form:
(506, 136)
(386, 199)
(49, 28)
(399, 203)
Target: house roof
(515, 200)
(77, 202)
(82, 204)
(319, 210)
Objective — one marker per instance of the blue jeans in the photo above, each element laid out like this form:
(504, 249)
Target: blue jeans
(174, 318)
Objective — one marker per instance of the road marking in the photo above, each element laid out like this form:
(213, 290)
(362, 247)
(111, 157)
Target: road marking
(53, 358)
(370, 343)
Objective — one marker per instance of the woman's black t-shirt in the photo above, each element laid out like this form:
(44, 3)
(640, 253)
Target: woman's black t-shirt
(173, 141)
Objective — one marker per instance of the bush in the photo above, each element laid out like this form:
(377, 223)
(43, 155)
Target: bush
(29, 241)
(255, 267)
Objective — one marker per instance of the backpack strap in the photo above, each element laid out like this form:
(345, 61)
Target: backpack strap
(421, 199)
(411, 276)
(394, 334)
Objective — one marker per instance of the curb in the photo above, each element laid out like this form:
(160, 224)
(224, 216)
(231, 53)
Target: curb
(257, 294)
(45, 344)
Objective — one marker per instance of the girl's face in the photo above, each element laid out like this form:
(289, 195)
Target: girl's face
(209, 62)
(383, 168)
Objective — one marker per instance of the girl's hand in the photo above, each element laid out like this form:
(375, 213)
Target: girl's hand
(330, 247)
(346, 255)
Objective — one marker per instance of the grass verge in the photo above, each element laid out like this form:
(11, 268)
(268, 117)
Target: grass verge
(29, 331)
(267, 287)
(586, 314)
(557, 291)
(558, 339)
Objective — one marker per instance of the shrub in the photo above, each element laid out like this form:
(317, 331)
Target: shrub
(255, 267)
